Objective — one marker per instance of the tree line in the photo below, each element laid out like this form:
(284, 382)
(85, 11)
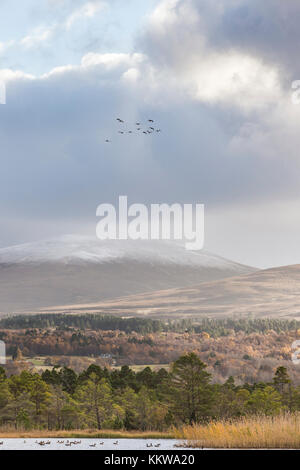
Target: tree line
(214, 327)
(101, 398)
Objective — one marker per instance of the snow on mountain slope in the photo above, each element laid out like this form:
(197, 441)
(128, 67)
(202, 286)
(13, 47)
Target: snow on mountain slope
(74, 249)
(74, 269)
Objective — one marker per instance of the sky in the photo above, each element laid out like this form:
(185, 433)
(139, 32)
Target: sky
(214, 76)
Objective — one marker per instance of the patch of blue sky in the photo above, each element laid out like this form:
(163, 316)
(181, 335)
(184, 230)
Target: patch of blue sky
(36, 36)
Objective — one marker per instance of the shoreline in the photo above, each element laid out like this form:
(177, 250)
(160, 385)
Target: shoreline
(87, 434)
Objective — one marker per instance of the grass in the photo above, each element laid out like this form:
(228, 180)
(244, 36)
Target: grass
(39, 362)
(86, 433)
(259, 432)
(139, 368)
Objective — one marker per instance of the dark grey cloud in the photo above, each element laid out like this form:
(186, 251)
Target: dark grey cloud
(268, 29)
(55, 159)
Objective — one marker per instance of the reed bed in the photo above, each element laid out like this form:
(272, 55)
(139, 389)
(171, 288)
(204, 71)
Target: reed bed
(259, 432)
(86, 433)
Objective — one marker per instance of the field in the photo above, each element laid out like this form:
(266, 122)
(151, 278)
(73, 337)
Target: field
(270, 293)
(281, 432)
(40, 363)
(139, 368)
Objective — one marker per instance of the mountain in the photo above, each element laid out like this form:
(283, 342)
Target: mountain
(80, 270)
(267, 293)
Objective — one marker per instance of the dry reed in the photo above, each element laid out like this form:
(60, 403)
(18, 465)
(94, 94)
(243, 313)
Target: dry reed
(279, 432)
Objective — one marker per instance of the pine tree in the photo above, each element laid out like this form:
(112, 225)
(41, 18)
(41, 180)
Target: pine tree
(190, 392)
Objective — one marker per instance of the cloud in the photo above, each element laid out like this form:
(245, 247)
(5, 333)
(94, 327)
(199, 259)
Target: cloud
(38, 36)
(43, 34)
(208, 77)
(88, 10)
(200, 154)
(180, 39)
(268, 28)
(111, 61)
(8, 75)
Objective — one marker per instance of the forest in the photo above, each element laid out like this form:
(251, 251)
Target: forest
(248, 349)
(103, 398)
(214, 327)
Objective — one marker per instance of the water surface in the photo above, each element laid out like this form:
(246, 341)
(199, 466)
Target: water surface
(89, 444)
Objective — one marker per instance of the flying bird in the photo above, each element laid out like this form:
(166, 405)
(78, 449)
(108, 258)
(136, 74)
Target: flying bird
(150, 130)
(107, 140)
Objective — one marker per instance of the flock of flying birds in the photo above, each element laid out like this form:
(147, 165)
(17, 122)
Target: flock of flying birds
(148, 130)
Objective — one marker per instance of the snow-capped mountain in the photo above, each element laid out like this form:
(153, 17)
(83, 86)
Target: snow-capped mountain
(78, 249)
(76, 269)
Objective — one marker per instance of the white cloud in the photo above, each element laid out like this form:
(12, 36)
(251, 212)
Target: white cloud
(177, 43)
(164, 14)
(8, 75)
(132, 75)
(235, 79)
(43, 34)
(111, 61)
(38, 36)
(123, 65)
(88, 10)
